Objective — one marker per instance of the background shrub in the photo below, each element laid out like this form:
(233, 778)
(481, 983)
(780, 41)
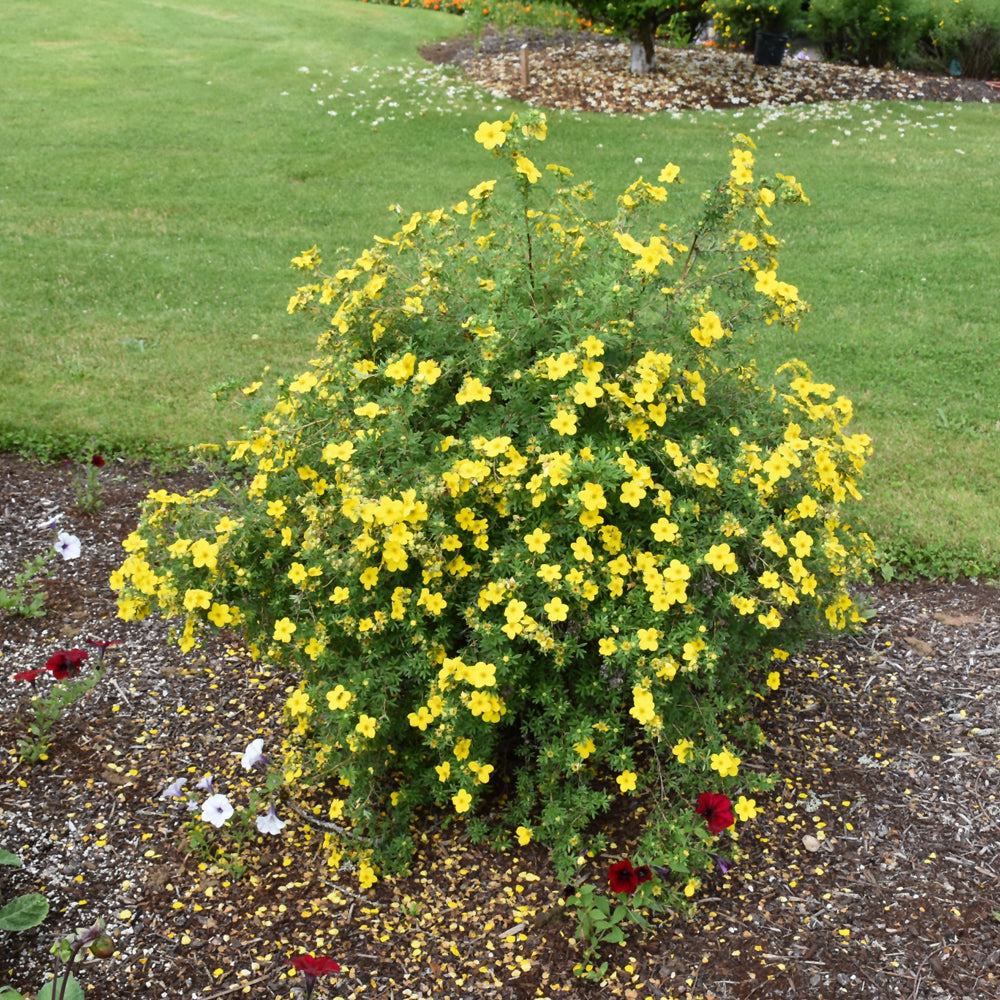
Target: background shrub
(531, 529)
(964, 36)
(738, 21)
(867, 33)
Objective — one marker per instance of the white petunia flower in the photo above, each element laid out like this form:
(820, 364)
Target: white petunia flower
(270, 823)
(174, 790)
(254, 754)
(216, 810)
(67, 545)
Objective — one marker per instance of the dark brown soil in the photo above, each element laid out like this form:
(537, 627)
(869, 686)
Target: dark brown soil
(872, 872)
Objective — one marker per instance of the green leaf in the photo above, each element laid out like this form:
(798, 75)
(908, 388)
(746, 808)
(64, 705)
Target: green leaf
(50, 990)
(26, 911)
(11, 994)
(6, 858)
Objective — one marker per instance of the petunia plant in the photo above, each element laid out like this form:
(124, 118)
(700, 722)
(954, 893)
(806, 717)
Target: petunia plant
(65, 665)
(531, 529)
(26, 598)
(311, 968)
(208, 815)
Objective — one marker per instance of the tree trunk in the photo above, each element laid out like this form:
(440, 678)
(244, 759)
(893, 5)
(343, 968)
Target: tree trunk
(643, 50)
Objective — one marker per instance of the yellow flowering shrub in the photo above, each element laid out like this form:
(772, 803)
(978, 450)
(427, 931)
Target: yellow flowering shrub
(531, 528)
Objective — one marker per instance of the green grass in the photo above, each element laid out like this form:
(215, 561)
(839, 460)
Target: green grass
(163, 162)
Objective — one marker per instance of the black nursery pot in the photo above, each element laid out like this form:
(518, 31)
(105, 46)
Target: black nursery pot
(769, 48)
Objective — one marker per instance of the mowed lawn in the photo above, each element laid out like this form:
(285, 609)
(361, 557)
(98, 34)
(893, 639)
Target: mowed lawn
(162, 163)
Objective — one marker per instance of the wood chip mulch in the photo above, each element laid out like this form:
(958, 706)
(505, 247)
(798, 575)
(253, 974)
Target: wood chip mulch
(873, 870)
(589, 72)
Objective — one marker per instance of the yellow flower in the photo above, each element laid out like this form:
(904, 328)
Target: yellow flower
(471, 391)
(366, 875)
(587, 393)
(770, 620)
(556, 610)
(665, 530)
(197, 599)
(564, 422)
(536, 540)
(585, 748)
(428, 372)
(482, 772)
(726, 764)
(632, 493)
(462, 801)
(220, 615)
(435, 603)
(297, 573)
(721, 558)
(480, 191)
(298, 703)
(648, 638)
(745, 808)
(669, 173)
(643, 710)
(339, 698)
(682, 750)
(420, 719)
(203, 553)
(283, 629)
(692, 887)
(490, 135)
(802, 543)
(366, 726)
(462, 748)
(773, 680)
(592, 496)
(607, 646)
(337, 452)
(626, 781)
(523, 834)
(443, 771)
(527, 169)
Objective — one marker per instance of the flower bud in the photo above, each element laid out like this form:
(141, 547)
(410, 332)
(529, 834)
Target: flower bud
(103, 947)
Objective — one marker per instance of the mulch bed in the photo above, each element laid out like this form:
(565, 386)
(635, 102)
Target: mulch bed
(872, 872)
(588, 72)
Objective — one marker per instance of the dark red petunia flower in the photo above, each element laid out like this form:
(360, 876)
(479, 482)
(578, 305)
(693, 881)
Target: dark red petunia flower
(622, 877)
(97, 461)
(717, 810)
(643, 873)
(66, 663)
(28, 675)
(312, 966)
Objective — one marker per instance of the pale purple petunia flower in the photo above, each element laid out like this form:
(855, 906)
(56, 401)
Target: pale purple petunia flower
(270, 823)
(253, 755)
(205, 785)
(216, 810)
(174, 790)
(67, 545)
